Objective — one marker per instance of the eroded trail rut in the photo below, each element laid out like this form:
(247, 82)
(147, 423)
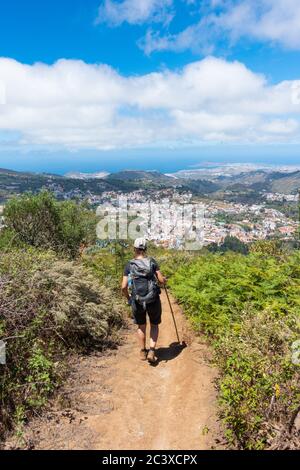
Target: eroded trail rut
(116, 401)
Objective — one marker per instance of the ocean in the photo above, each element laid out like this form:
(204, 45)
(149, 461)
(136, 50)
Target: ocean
(163, 160)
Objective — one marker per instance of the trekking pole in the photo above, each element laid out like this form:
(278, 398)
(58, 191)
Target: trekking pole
(173, 316)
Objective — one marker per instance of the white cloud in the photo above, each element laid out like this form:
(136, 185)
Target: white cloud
(271, 20)
(281, 127)
(134, 11)
(275, 21)
(75, 105)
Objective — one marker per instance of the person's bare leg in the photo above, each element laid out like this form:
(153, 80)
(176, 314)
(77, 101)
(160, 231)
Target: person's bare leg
(153, 340)
(141, 332)
(153, 336)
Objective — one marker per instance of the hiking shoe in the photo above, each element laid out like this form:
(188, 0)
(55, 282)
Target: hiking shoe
(143, 354)
(151, 357)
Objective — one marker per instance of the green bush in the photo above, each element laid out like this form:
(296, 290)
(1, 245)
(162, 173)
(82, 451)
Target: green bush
(249, 308)
(40, 221)
(230, 244)
(48, 308)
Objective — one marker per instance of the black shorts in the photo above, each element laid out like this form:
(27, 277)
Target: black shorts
(153, 310)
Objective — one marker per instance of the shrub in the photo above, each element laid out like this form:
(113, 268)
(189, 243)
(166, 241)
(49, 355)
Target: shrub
(48, 308)
(77, 226)
(84, 312)
(40, 221)
(230, 244)
(249, 308)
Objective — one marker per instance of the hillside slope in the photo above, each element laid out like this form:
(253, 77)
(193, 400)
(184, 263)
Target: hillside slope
(286, 184)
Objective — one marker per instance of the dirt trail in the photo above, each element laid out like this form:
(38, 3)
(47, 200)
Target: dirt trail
(116, 401)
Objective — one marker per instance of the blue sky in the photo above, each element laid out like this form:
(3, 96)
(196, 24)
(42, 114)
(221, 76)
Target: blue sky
(86, 84)
(32, 31)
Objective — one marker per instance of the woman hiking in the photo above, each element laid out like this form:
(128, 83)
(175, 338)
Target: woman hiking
(143, 275)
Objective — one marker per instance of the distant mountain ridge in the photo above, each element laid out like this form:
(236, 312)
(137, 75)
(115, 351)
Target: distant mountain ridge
(251, 182)
(138, 179)
(275, 182)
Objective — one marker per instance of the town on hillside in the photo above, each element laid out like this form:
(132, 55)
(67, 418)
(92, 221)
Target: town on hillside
(237, 209)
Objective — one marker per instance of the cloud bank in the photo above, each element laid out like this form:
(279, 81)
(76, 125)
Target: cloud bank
(273, 21)
(74, 105)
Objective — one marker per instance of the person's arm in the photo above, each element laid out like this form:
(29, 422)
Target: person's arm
(162, 279)
(124, 287)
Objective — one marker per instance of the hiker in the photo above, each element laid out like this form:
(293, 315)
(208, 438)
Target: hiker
(142, 275)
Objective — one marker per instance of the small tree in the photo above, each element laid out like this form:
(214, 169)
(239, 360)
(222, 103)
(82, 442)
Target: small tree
(229, 244)
(77, 226)
(39, 220)
(234, 244)
(34, 218)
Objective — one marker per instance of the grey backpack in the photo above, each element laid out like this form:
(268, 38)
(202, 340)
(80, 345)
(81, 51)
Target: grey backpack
(145, 289)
